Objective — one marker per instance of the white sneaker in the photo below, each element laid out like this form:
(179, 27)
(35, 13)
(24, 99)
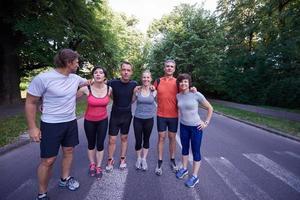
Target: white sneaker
(138, 163)
(144, 164)
(110, 165)
(123, 164)
(158, 170)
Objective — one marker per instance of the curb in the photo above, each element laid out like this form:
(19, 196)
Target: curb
(271, 130)
(20, 141)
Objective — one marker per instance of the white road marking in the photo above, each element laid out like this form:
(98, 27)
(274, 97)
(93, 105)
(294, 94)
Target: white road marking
(240, 184)
(275, 169)
(111, 186)
(293, 154)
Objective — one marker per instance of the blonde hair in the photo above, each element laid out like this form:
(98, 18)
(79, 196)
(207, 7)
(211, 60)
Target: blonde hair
(146, 71)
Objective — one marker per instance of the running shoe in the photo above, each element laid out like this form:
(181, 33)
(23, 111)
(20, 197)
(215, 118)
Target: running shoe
(138, 163)
(71, 183)
(110, 165)
(123, 164)
(173, 166)
(158, 170)
(181, 173)
(99, 172)
(144, 164)
(92, 169)
(42, 197)
(191, 182)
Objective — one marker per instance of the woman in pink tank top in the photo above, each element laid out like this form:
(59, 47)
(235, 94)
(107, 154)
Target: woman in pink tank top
(96, 119)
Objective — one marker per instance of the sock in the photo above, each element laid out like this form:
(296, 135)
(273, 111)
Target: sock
(159, 163)
(42, 195)
(122, 158)
(173, 161)
(65, 179)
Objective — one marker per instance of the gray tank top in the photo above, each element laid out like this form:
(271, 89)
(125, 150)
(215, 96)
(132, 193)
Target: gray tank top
(145, 106)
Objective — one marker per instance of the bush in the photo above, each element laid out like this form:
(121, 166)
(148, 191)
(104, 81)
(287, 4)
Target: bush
(284, 93)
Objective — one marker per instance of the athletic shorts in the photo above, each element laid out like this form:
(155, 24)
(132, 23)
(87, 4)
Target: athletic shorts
(164, 123)
(119, 122)
(54, 135)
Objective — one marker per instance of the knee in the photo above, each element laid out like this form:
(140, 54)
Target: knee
(124, 138)
(68, 151)
(196, 156)
(112, 140)
(100, 148)
(162, 138)
(138, 146)
(48, 162)
(172, 137)
(146, 145)
(185, 151)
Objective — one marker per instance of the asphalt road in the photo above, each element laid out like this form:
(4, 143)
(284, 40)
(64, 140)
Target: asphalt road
(239, 162)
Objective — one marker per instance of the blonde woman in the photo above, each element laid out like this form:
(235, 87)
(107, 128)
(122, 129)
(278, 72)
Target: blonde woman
(143, 119)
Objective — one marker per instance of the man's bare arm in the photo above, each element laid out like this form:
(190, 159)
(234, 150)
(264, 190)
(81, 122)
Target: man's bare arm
(30, 112)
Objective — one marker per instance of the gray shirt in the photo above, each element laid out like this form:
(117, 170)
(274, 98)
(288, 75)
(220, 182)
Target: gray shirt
(58, 93)
(188, 104)
(145, 105)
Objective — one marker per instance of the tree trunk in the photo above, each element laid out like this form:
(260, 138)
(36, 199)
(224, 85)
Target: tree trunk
(9, 65)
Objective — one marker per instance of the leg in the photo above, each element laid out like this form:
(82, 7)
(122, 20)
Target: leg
(172, 130)
(160, 145)
(111, 146)
(137, 125)
(196, 138)
(126, 121)
(69, 142)
(44, 173)
(101, 134)
(124, 144)
(90, 132)
(185, 143)
(172, 144)
(67, 161)
(147, 129)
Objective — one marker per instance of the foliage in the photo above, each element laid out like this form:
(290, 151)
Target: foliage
(190, 36)
(247, 51)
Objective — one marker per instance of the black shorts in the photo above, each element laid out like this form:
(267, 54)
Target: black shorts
(119, 122)
(55, 135)
(164, 123)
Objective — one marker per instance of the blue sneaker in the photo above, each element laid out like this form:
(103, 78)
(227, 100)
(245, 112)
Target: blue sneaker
(71, 183)
(181, 173)
(191, 182)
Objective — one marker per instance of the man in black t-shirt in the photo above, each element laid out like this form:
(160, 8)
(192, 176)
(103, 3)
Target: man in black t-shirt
(120, 118)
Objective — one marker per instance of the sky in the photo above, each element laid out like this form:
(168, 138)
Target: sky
(147, 10)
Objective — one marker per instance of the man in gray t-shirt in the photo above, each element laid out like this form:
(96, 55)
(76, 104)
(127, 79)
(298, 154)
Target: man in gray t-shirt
(57, 88)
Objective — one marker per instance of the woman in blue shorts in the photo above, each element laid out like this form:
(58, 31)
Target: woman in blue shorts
(191, 126)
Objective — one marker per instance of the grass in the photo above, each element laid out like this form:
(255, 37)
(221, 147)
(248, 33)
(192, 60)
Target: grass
(283, 109)
(12, 127)
(287, 126)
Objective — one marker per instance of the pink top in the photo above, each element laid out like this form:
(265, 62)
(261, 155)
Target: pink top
(96, 108)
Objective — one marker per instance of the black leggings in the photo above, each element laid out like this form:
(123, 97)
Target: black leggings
(95, 131)
(142, 132)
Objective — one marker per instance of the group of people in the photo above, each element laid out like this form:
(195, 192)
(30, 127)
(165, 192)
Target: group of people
(168, 96)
